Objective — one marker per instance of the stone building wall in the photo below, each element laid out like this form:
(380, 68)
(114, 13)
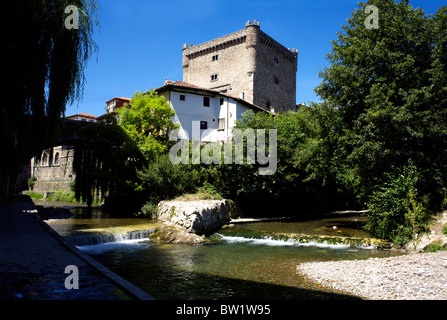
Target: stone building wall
(248, 64)
(53, 169)
(275, 77)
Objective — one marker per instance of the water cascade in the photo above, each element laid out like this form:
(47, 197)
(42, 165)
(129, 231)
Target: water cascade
(295, 239)
(101, 238)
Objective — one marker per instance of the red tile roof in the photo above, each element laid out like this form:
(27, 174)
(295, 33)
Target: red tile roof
(86, 115)
(178, 83)
(121, 98)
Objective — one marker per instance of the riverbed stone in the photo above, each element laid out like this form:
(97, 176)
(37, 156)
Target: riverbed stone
(174, 234)
(201, 217)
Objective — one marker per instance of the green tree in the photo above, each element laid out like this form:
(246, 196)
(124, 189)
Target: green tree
(389, 87)
(397, 212)
(43, 67)
(147, 120)
(305, 179)
(106, 161)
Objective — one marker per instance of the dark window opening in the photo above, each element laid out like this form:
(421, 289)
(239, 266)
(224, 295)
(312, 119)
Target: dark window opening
(182, 97)
(203, 125)
(206, 101)
(56, 158)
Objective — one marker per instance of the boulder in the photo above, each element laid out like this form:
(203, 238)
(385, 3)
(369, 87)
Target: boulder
(173, 234)
(201, 217)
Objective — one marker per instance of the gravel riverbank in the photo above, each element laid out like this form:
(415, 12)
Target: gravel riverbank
(417, 276)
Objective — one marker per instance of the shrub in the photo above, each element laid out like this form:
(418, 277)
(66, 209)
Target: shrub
(31, 182)
(162, 180)
(435, 246)
(396, 211)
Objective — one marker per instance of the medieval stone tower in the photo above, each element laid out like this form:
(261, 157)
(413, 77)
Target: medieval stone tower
(247, 64)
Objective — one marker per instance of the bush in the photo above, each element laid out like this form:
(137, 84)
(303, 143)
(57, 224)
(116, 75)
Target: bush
(397, 213)
(435, 246)
(31, 182)
(63, 196)
(162, 180)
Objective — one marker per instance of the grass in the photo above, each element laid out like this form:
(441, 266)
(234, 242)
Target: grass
(202, 194)
(435, 246)
(34, 195)
(63, 196)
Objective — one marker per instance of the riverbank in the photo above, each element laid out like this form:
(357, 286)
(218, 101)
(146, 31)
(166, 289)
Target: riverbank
(34, 258)
(416, 276)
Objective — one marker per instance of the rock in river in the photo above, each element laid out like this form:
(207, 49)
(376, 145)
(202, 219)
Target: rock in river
(201, 217)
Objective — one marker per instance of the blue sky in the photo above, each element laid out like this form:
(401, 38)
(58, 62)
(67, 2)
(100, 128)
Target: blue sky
(140, 41)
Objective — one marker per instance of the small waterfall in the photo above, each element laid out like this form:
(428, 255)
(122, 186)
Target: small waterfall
(100, 238)
(292, 239)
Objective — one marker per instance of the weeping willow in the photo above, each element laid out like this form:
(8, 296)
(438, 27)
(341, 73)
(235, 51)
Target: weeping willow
(43, 66)
(105, 162)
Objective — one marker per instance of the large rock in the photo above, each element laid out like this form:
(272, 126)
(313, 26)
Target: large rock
(173, 234)
(202, 217)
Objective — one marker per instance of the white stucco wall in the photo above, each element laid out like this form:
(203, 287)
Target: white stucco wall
(191, 111)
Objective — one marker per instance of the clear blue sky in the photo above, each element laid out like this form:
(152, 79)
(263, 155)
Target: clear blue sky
(140, 41)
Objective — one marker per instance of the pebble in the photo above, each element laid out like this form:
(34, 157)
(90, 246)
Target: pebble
(416, 276)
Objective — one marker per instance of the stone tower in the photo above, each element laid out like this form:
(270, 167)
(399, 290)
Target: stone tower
(247, 64)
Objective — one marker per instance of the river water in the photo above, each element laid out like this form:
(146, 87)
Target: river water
(235, 265)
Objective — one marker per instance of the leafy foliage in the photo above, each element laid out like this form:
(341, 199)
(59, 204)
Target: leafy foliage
(105, 164)
(389, 86)
(397, 213)
(148, 122)
(43, 63)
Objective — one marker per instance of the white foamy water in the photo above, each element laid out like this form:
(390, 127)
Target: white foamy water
(133, 244)
(289, 242)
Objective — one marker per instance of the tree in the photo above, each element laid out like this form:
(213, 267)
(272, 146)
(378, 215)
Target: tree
(389, 87)
(397, 212)
(42, 67)
(147, 120)
(106, 161)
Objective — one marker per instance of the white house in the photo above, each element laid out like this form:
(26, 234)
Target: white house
(213, 111)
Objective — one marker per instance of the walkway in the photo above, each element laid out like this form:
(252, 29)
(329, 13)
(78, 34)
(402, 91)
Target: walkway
(33, 259)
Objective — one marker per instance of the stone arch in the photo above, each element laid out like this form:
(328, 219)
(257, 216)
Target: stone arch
(45, 159)
(56, 159)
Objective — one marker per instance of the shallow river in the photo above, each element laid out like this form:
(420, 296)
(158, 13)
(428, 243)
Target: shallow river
(230, 267)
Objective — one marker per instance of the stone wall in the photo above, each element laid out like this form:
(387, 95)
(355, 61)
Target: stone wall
(53, 169)
(275, 77)
(249, 64)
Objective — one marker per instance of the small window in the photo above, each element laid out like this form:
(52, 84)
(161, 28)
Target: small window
(206, 101)
(215, 57)
(276, 80)
(56, 158)
(182, 97)
(214, 77)
(45, 159)
(203, 125)
(221, 124)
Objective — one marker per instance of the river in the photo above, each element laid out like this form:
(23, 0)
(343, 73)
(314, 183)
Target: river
(237, 264)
